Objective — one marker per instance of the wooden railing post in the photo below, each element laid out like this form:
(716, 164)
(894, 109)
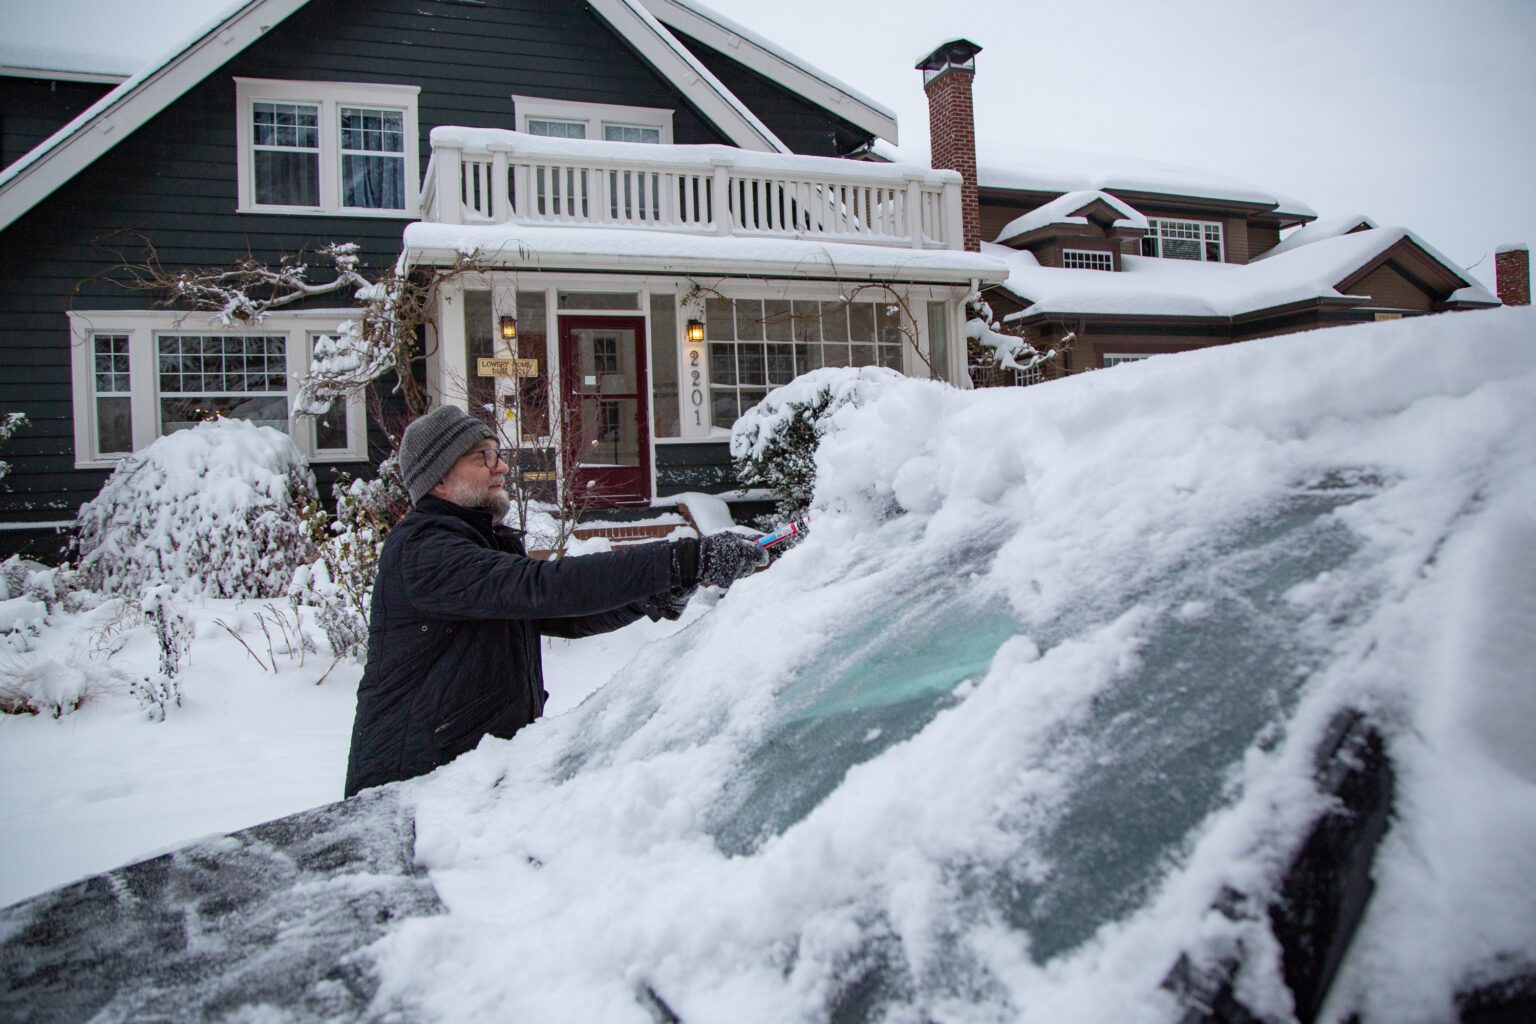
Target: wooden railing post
(954, 222)
(450, 184)
(912, 209)
(497, 207)
(720, 195)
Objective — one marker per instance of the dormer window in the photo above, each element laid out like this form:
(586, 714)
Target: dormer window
(1183, 240)
(1086, 259)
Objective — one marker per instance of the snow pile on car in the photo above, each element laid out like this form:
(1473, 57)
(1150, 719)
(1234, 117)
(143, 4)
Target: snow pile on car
(1040, 693)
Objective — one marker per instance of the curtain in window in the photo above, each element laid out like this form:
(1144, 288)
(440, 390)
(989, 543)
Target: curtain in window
(286, 139)
(372, 159)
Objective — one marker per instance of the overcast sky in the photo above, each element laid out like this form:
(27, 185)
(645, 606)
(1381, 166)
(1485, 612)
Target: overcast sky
(1420, 113)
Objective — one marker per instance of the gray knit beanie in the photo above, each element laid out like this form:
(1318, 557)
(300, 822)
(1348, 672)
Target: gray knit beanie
(433, 443)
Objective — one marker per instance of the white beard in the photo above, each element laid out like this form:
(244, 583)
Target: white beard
(494, 500)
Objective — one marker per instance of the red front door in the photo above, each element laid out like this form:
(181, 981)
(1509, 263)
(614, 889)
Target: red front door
(605, 419)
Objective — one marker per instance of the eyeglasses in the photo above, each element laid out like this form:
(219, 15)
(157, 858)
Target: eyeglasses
(494, 456)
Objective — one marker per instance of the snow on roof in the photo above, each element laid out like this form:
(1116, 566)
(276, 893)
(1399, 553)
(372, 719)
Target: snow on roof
(1052, 170)
(101, 40)
(1329, 227)
(1062, 210)
(25, 61)
(664, 252)
(1513, 247)
(1147, 286)
(773, 61)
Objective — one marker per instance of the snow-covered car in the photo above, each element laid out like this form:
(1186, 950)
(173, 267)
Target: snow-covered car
(1191, 690)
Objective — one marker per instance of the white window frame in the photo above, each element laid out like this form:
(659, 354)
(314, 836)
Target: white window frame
(143, 328)
(1155, 225)
(330, 97)
(1096, 257)
(1116, 358)
(596, 116)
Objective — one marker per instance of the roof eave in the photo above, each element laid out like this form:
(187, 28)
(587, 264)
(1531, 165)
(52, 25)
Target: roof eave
(794, 75)
(526, 261)
(59, 75)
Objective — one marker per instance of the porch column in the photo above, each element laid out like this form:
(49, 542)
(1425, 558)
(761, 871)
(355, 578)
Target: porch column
(452, 378)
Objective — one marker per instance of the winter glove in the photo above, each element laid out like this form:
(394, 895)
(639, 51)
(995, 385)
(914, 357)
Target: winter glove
(668, 604)
(727, 557)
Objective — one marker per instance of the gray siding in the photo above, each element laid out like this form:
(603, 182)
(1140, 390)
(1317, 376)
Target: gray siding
(32, 109)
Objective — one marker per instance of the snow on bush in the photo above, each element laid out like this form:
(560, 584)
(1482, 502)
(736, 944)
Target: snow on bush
(44, 686)
(773, 444)
(10, 422)
(339, 583)
(211, 510)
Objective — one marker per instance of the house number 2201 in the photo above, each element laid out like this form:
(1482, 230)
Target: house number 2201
(696, 384)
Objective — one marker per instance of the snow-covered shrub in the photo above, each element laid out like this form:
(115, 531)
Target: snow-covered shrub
(211, 510)
(10, 422)
(773, 444)
(28, 593)
(156, 694)
(339, 583)
(43, 686)
(172, 630)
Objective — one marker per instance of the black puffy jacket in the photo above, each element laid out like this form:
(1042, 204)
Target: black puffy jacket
(453, 638)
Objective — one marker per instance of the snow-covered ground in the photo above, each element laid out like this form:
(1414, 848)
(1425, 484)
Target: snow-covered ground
(1044, 682)
(107, 785)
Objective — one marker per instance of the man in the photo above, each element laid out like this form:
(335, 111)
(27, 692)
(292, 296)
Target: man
(459, 608)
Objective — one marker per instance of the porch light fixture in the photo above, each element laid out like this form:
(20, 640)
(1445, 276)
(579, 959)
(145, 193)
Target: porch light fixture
(695, 330)
(509, 328)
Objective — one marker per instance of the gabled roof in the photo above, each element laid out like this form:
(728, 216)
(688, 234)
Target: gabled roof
(1047, 170)
(1150, 287)
(1076, 208)
(774, 63)
(1330, 227)
(122, 111)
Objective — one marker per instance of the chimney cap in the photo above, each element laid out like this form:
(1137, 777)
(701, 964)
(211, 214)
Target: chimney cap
(955, 53)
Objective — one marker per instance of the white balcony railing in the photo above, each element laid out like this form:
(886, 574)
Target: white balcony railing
(486, 176)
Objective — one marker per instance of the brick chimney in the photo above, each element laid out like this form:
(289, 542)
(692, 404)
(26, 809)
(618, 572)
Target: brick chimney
(947, 76)
(1512, 269)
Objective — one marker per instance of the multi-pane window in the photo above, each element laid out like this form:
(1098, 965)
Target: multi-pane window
(609, 122)
(139, 374)
(1183, 240)
(631, 133)
(1083, 259)
(202, 377)
(372, 158)
(605, 354)
(1122, 357)
(326, 147)
(114, 393)
(557, 129)
(285, 139)
(756, 344)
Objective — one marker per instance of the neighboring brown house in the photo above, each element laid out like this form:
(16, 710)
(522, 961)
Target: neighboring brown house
(1130, 258)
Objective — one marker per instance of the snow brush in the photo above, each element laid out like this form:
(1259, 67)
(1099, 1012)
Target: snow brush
(793, 528)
